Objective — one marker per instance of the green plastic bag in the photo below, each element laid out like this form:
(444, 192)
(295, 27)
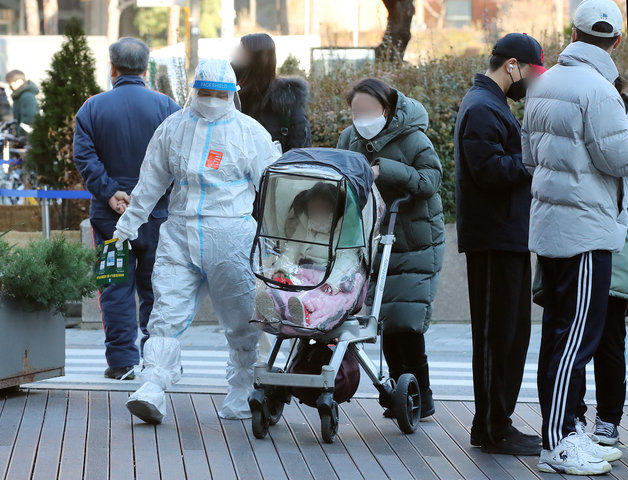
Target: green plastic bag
(113, 264)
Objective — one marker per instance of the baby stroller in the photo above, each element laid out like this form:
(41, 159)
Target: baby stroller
(292, 189)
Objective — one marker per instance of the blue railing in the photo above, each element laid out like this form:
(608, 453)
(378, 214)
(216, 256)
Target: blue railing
(46, 196)
(49, 194)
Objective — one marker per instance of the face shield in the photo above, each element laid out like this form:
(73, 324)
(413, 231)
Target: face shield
(213, 90)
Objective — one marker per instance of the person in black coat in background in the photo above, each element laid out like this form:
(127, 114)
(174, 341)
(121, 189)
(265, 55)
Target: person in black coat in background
(278, 103)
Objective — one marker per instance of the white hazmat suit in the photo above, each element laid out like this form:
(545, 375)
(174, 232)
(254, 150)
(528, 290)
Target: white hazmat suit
(214, 156)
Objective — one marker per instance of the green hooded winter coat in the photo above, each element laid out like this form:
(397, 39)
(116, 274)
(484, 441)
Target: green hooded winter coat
(408, 164)
(25, 106)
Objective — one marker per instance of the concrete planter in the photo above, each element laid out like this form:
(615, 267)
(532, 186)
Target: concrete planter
(32, 346)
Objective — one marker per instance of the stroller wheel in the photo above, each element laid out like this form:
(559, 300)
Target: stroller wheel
(407, 401)
(259, 423)
(276, 410)
(329, 424)
(276, 398)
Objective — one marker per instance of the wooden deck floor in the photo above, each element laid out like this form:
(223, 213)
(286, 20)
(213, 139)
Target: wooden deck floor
(46, 435)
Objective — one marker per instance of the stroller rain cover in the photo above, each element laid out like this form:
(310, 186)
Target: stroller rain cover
(319, 217)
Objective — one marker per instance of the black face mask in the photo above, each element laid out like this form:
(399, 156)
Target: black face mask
(518, 89)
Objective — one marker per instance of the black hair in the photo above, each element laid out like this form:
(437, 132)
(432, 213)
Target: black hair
(257, 76)
(497, 61)
(323, 191)
(380, 90)
(604, 43)
(375, 87)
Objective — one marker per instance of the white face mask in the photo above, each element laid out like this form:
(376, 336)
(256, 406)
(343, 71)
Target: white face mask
(211, 108)
(369, 127)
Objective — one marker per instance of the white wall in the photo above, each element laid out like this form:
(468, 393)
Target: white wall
(33, 54)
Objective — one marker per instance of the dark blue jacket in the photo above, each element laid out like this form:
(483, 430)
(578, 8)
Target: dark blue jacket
(112, 132)
(492, 185)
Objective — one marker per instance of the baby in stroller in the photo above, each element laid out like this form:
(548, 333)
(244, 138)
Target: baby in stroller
(304, 260)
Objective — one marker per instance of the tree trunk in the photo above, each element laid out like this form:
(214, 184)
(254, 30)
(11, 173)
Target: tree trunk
(253, 12)
(32, 17)
(397, 35)
(113, 21)
(173, 24)
(443, 15)
(51, 17)
(282, 16)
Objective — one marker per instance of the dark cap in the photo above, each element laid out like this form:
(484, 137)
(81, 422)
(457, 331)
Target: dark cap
(522, 47)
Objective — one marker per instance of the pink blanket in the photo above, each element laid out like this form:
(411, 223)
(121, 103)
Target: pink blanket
(321, 305)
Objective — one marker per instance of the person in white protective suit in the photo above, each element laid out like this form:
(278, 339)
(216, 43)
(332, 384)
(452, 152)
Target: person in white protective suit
(214, 156)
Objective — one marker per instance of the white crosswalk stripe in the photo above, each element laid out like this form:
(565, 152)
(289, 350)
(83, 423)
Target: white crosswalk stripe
(204, 372)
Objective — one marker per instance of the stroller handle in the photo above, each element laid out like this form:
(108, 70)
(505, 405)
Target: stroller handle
(394, 210)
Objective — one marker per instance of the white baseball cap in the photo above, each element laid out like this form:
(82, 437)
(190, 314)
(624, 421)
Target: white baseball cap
(590, 12)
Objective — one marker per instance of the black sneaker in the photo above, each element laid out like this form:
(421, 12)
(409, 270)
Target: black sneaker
(606, 432)
(477, 438)
(427, 403)
(515, 443)
(118, 373)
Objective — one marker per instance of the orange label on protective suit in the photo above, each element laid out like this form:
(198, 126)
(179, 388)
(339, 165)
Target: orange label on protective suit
(213, 159)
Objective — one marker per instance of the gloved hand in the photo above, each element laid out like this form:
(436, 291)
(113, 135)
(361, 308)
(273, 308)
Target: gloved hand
(121, 239)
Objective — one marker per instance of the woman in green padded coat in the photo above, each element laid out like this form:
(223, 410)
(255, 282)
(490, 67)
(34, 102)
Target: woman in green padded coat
(389, 129)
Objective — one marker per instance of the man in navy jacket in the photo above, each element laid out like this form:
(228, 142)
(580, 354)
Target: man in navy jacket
(112, 132)
(493, 211)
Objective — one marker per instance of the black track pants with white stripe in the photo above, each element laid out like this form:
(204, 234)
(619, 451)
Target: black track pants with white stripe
(576, 299)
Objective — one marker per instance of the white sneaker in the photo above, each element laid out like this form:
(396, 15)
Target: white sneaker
(591, 445)
(265, 306)
(297, 311)
(568, 457)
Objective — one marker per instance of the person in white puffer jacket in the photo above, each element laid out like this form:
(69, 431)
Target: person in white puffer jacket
(575, 133)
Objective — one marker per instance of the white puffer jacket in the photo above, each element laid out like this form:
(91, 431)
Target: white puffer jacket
(575, 142)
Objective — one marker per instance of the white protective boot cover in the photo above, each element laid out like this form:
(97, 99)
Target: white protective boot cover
(162, 368)
(240, 378)
(148, 403)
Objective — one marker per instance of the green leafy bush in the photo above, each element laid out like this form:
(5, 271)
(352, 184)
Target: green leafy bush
(46, 274)
(291, 66)
(71, 79)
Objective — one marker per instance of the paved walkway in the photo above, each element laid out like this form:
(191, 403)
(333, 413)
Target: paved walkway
(73, 435)
(205, 357)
